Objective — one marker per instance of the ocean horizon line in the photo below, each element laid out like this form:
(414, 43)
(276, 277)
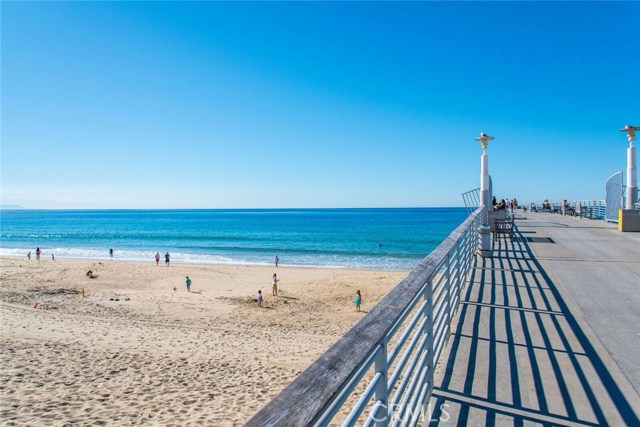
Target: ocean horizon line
(3, 208)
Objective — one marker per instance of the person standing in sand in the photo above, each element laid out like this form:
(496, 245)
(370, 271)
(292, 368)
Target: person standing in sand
(188, 282)
(277, 261)
(166, 259)
(29, 256)
(274, 287)
(260, 298)
(358, 300)
(157, 258)
(38, 251)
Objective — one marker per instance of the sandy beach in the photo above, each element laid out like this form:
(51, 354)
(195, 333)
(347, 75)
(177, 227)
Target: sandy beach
(134, 351)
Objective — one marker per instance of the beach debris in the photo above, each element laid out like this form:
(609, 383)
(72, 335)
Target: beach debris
(36, 304)
(55, 292)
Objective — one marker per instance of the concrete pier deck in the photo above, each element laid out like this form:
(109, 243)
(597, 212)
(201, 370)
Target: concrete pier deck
(548, 331)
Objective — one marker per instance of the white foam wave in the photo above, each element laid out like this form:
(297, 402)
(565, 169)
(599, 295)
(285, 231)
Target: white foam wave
(324, 261)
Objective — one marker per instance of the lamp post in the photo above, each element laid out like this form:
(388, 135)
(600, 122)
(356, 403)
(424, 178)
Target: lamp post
(632, 174)
(485, 237)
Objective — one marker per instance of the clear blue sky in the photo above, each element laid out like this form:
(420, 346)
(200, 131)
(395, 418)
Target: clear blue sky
(322, 104)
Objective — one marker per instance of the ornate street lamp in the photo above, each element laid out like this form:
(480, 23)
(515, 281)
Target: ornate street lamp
(485, 237)
(632, 174)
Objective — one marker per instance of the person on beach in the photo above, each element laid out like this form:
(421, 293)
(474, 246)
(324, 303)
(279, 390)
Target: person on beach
(166, 259)
(111, 253)
(274, 287)
(157, 258)
(29, 256)
(358, 300)
(38, 251)
(260, 298)
(277, 261)
(188, 282)
(53, 258)
(91, 274)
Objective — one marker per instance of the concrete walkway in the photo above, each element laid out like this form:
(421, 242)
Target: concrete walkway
(548, 331)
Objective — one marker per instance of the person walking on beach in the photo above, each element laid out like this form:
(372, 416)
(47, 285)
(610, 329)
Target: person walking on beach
(53, 258)
(29, 256)
(38, 253)
(157, 258)
(274, 288)
(188, 282)
(166, 259)
(358, 300)
(111, 253)
(260, 298)
(277, 260)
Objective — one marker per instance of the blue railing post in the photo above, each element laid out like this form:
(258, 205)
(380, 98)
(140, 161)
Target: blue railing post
(382, 393)
(447, 287)
(429, 326)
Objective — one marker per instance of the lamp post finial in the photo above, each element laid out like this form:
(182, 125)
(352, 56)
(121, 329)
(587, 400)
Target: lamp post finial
(631, 132)
(484, 140)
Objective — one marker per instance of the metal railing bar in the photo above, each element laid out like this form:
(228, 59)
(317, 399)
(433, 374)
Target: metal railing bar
(409, 372)
(404, 316)
(416, 379)
(360, 406)
(415, 401)
(372, 415)
(348, 388)
(440, 345)
(405, 356)
(422, 398)
(405, 335)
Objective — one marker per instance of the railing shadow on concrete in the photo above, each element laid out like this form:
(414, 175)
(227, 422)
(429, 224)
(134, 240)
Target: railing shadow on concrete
(543, 352)
(382, 369)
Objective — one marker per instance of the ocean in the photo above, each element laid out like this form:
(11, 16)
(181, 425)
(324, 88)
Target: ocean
(388, 239)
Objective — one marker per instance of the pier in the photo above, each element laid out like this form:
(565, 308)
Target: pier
(544, 332)
(548, 330)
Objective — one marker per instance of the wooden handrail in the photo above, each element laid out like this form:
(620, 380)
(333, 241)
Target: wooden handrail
(304, 401)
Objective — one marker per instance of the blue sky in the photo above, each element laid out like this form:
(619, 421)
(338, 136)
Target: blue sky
(312, 104)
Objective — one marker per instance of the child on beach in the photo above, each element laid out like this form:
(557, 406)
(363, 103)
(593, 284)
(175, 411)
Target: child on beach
(274, 288)
(260, 298)
(358, 300)
(157, 258)
(188, 282)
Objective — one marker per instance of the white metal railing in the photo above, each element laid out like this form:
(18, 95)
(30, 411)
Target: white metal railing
(471, 199)
(381, 372)
(593, 209)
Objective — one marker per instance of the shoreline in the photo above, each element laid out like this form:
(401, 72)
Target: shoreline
(200, 264)
(136, 351)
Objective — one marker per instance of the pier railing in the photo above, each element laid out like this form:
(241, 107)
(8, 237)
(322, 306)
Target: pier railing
(381, 372)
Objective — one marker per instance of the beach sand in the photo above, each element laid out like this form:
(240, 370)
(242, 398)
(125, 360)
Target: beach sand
(134, 351)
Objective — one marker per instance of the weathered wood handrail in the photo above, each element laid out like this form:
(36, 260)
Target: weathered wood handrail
(420, 309)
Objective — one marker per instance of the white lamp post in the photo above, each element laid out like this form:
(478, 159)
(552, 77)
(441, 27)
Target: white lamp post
(485, 237)
(632, 174)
